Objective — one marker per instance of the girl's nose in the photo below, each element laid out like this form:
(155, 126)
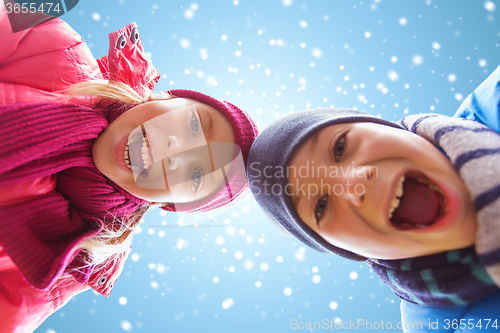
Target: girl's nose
(173, 146)
(174, 162)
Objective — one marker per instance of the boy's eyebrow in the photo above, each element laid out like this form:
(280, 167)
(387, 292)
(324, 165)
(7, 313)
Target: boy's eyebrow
(314, 139)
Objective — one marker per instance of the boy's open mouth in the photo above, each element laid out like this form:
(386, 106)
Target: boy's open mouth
(418, 202)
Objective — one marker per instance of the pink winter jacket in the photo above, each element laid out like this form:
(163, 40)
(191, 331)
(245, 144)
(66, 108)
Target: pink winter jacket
(34, 64)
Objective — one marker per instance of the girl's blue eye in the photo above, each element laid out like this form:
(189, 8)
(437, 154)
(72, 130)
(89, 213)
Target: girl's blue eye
(320, 208)
(195, 125)
(338, 149)
(196, 178)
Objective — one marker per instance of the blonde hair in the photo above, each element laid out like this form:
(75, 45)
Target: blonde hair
(116, 235)
(92, 93)
(114, 238)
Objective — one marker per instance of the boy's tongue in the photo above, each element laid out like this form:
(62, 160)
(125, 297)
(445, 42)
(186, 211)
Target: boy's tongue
(419, 204)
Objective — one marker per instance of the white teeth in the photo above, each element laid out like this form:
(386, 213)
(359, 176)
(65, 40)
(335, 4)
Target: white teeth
(399, 187)
(145, 153)
(394, 205)
(435, 187)
(126, 157)
(398, 193)
(145, 159)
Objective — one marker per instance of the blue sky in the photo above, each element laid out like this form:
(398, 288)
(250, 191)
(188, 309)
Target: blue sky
(386, 57)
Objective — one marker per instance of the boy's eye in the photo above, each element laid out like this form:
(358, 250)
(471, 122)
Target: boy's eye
(320, 208)
(196, 178)
(195, 125)
(338, 149)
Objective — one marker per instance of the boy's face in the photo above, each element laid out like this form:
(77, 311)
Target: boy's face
(380, 192)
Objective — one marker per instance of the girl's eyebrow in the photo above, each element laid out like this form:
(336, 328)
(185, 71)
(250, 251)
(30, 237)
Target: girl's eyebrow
(207, 119)
(208, 135)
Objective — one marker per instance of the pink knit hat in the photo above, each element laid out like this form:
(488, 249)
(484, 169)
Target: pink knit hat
(245, 132)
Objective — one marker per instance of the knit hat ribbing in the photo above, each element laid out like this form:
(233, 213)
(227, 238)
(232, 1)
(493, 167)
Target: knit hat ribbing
(274, 148)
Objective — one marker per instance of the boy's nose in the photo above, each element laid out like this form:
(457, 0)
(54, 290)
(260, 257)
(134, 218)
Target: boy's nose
(365, 172)
(357, 183)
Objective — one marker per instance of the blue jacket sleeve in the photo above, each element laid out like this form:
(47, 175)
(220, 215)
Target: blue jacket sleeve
(483, 105)
(480, 316)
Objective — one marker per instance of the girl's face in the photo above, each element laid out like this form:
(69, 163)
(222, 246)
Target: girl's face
(168, 139)
(380, 192)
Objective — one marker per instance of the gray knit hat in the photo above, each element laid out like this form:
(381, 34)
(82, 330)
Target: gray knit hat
(274, 148)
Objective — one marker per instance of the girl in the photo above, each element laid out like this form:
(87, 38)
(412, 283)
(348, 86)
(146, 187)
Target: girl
(72, 185)
(417, 200)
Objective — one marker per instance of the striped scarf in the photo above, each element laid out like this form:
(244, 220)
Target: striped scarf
(461, 276)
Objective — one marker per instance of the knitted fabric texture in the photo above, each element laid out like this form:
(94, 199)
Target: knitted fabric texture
(245, 132)
(444, 279)
(274, 148)
(40, 235)
(474, 150)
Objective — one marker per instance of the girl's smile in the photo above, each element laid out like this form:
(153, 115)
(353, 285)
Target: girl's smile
(120, 154)
(401, 198)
